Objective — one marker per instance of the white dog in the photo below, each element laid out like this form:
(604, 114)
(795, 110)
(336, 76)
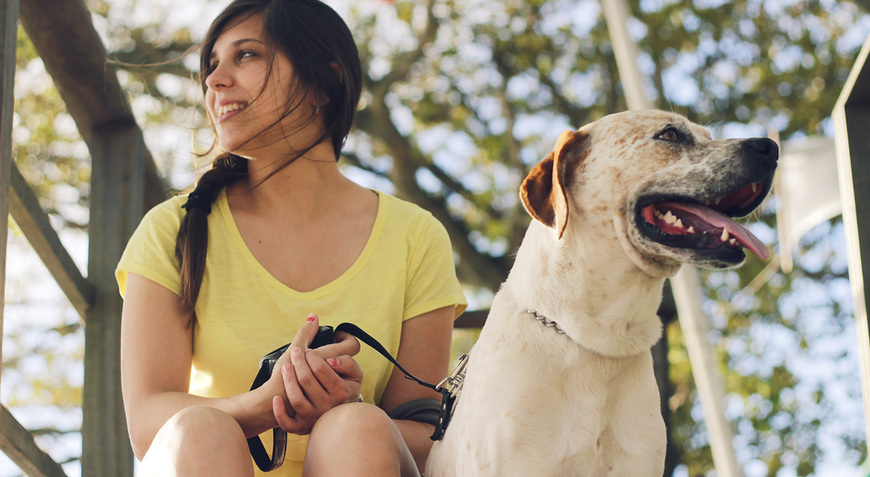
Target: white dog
(618, 205)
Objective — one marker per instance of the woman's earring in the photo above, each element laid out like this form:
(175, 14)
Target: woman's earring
(316, 109)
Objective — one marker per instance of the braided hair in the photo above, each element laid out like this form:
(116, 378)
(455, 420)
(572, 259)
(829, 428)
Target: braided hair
(324, 55)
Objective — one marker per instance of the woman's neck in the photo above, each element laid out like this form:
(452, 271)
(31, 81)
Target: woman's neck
(307, 188)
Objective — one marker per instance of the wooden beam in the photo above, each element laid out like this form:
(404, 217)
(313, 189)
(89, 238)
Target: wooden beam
(33, 221)
(74, 56)
(18, 444)
(117, 194)
(8, 45)
(851, 116)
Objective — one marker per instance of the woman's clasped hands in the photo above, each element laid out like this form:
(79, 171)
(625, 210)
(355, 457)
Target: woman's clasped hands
(305, 383)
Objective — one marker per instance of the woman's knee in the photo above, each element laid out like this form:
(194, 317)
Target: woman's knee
(365, 436)
(357, 421)
(197, 440)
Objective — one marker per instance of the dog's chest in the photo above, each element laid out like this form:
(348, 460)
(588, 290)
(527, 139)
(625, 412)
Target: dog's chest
(535, 404)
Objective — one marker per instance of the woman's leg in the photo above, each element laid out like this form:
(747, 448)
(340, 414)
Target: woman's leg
(358, 439)
(198, 441)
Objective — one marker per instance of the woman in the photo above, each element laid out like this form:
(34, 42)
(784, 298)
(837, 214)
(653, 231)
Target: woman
(273, 242)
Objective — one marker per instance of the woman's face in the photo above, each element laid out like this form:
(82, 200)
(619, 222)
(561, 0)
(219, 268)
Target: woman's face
(245, 100)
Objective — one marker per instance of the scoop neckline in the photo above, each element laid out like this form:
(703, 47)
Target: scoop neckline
(223, 208)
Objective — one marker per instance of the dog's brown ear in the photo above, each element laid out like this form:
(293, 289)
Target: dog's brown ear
(543, 191)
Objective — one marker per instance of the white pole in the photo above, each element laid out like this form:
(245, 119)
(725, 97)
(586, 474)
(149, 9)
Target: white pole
(687, 295)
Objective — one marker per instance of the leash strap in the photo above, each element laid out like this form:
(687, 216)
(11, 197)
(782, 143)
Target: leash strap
(449, 388)
(366, 338)
(279, 436)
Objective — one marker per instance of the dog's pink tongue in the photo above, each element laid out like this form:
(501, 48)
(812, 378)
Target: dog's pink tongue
(720, 221)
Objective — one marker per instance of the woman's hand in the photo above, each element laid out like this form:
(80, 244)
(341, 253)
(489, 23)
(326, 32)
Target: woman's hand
(315, 380)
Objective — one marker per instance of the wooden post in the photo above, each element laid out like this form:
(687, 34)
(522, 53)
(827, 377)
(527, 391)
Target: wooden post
(9, 39)
(851, 121)
(117, 196)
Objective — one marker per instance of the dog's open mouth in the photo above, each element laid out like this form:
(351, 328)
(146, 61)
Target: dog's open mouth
(682, 222)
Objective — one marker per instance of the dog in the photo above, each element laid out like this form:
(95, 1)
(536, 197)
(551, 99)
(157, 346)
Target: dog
(560, 382)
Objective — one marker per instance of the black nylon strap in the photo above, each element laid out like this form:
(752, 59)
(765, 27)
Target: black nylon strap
(279, 436)
(448, 399)
(361, 335)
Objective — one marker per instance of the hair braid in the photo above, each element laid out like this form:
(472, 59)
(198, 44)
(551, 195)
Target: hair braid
(191, 244)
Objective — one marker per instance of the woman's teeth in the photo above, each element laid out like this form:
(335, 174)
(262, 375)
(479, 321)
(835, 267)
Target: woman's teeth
(228, 108)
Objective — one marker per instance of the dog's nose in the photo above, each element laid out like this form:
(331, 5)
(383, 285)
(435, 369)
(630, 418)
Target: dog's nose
(761, 148)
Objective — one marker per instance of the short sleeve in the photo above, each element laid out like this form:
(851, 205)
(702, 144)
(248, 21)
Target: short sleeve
(431, 281)
(150, 252)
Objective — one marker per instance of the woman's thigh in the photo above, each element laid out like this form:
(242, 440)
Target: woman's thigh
(198, 441)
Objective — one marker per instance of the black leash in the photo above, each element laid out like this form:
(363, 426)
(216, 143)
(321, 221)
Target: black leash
(448, 388)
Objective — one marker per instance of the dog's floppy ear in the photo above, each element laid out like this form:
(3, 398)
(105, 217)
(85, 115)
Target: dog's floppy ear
(543, 191)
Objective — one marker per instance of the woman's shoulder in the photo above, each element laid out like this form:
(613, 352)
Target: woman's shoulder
(163, 220)
(167, 212)
(414, 219)
(403, 210)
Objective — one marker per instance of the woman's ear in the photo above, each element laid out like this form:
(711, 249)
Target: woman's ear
(334, 66)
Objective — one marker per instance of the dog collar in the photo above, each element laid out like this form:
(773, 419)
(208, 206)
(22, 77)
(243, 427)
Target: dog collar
(546, 322)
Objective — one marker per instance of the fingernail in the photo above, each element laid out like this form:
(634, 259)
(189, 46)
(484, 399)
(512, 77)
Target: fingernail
(286, 368)
(311, 318)
(332, 362)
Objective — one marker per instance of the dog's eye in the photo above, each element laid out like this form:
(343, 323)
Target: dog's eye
(671, 134)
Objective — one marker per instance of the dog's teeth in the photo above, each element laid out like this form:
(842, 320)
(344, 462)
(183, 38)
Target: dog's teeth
(670, 218)
(733, 241)
(678, 224)
(691, 229)
(754, 187)
(725, 236)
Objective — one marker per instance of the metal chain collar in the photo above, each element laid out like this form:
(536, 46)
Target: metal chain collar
(546, 322)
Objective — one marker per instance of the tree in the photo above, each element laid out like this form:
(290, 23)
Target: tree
(462, 98)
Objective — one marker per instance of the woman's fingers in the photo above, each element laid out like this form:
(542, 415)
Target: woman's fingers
(306, 332)
(306, 386)
(303, 338)
(345, 344)
(346, 367)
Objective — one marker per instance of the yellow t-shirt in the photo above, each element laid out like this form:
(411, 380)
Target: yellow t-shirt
(243, 312)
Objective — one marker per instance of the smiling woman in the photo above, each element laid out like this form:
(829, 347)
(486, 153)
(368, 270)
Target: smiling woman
(272, 234)
(247, 91)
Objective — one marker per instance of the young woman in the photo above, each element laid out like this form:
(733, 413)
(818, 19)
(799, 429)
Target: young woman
(273, 242)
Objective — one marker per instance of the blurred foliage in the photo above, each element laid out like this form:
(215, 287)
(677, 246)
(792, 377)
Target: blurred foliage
(463, 97)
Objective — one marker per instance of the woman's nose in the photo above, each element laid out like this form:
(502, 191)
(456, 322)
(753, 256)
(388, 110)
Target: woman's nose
(218, 78)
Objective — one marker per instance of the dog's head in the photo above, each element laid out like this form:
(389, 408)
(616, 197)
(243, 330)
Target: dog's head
(660, 184)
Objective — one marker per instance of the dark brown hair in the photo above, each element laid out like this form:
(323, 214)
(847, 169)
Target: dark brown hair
(325, 59)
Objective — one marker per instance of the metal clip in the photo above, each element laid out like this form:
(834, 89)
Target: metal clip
(454, 381)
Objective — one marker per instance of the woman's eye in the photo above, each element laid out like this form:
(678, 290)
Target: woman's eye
(247, 54)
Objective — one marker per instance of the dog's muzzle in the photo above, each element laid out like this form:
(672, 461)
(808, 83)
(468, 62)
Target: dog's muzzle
(703, 222)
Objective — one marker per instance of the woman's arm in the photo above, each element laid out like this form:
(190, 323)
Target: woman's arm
(156, 356)
(424, 351)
